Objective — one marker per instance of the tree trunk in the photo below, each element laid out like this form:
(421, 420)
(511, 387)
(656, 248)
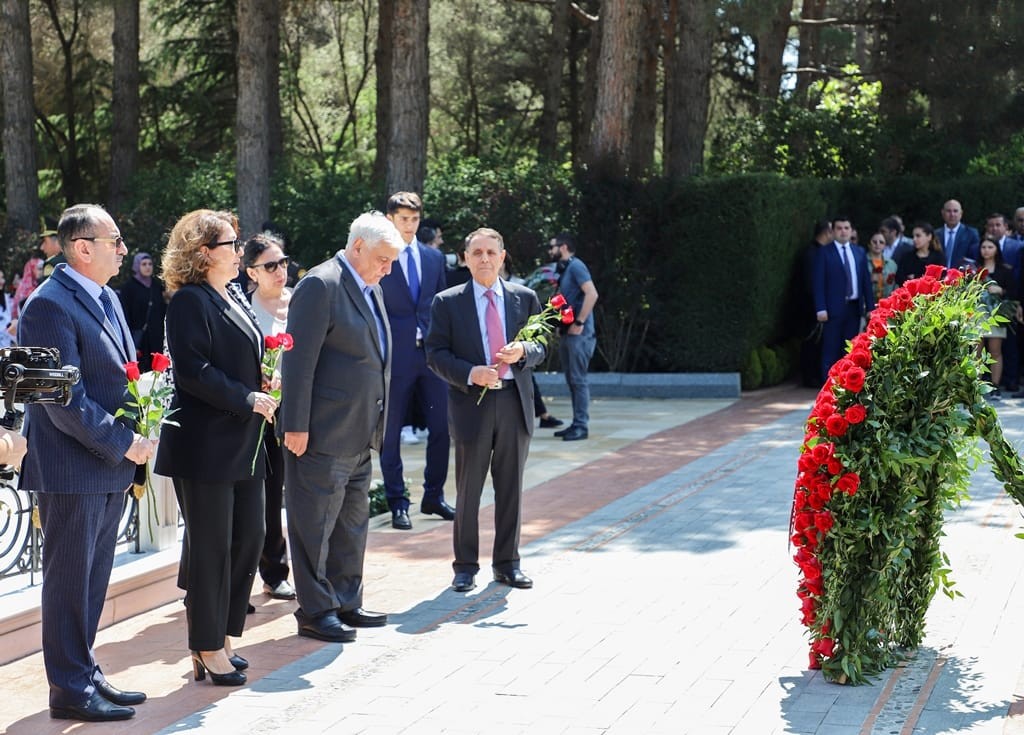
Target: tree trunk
(645, 117)
(124, 140)
(274, 122)
(771, 43)
(20, 178)
(72, 176)
(588, 89)
(406, 165)
(810, 39)
(618, 71)
(687, 85)
(384, 62)
(252, 128)
(547, 147)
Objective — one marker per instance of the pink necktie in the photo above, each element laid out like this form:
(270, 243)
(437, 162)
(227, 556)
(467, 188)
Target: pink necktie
(495, 334)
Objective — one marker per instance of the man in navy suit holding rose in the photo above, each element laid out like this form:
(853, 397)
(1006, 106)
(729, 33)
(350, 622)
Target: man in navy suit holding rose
(81, 459)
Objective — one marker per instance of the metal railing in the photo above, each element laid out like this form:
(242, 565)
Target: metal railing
(21, 541)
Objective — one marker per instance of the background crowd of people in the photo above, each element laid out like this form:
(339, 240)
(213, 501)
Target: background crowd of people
(842, 281)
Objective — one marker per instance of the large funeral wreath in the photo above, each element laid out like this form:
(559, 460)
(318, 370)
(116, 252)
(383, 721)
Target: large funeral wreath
(889, 447)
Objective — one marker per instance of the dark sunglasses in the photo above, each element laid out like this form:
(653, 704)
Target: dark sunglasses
(273, 265)
(238, 244)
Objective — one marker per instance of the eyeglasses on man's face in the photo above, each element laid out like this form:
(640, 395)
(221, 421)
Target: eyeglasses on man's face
(117, 242)
(273, 265)
(237, 244)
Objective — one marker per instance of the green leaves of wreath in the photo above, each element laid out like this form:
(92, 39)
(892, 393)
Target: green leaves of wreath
(889, 447)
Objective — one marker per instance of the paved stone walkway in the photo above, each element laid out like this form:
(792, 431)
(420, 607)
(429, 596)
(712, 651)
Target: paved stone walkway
(664, 603)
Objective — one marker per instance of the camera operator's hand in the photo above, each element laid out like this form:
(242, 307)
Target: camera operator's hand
(141, 449)
(12, 448)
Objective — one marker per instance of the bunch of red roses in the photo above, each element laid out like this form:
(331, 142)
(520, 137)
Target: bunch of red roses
(149, 409)
(841, 406)
(275, 345)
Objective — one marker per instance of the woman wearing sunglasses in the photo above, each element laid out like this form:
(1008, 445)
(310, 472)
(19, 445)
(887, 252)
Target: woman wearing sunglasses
(216, 348)
(266, 265)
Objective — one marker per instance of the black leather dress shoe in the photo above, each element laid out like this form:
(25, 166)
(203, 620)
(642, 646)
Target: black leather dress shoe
(360, 618)
(566, 430)
(326, 627)
(463, 582)
(94, 709)
(439, 508)
(112, 694)
(577, 433)
(550, 422)
(400, 520)
(515, 578)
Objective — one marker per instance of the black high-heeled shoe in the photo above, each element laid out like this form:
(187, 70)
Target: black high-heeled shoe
(238, 662)
(231, 679)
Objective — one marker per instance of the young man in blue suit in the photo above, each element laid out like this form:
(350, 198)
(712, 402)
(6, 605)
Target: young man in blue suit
(842, 292)
(81, 459)
(408, 291)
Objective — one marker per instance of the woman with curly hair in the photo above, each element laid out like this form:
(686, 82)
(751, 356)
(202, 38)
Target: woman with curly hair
(215, 347)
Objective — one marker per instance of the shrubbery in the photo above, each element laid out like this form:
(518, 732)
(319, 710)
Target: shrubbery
(693, 275)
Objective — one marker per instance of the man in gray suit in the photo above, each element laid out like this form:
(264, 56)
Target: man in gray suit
(471, 345)
(334, 388)
(81, 459)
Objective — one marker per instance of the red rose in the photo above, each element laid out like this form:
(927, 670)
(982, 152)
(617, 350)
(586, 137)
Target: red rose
(902, 300)
(834, 466)
(836, 425)
(131, 369)
(813, 662)
(285, 341)
(848, 483)
(953, 275)
(823, 521)
(933, 271)
(877, 329)
(160, 362)
(826, 646)
(885, 303)
(807, 462)
(567, 316)
(821, 452)
(861, 342)
(860, 357)
(271, 342)
(853, 379)
(856, 413)
(557, 301)
(808, 612)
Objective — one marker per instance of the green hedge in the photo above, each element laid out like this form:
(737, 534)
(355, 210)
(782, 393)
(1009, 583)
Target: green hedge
(693, 275)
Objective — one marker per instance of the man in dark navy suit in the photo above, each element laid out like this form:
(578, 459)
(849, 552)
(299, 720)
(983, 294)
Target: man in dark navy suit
(960, 242)
(408, 291)
(81, 459)
(842, 292)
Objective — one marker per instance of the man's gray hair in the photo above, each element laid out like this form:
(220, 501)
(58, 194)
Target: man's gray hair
(372, 228)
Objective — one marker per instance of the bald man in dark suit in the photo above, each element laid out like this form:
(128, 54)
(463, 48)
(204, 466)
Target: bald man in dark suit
(471, 346)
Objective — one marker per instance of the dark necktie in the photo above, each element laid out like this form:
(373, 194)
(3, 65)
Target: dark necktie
(381, 334)
(414, 275)
(846, 268)
(495, 334)
(108, 309)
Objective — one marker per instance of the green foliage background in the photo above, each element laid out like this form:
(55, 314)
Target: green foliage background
(693, 275)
